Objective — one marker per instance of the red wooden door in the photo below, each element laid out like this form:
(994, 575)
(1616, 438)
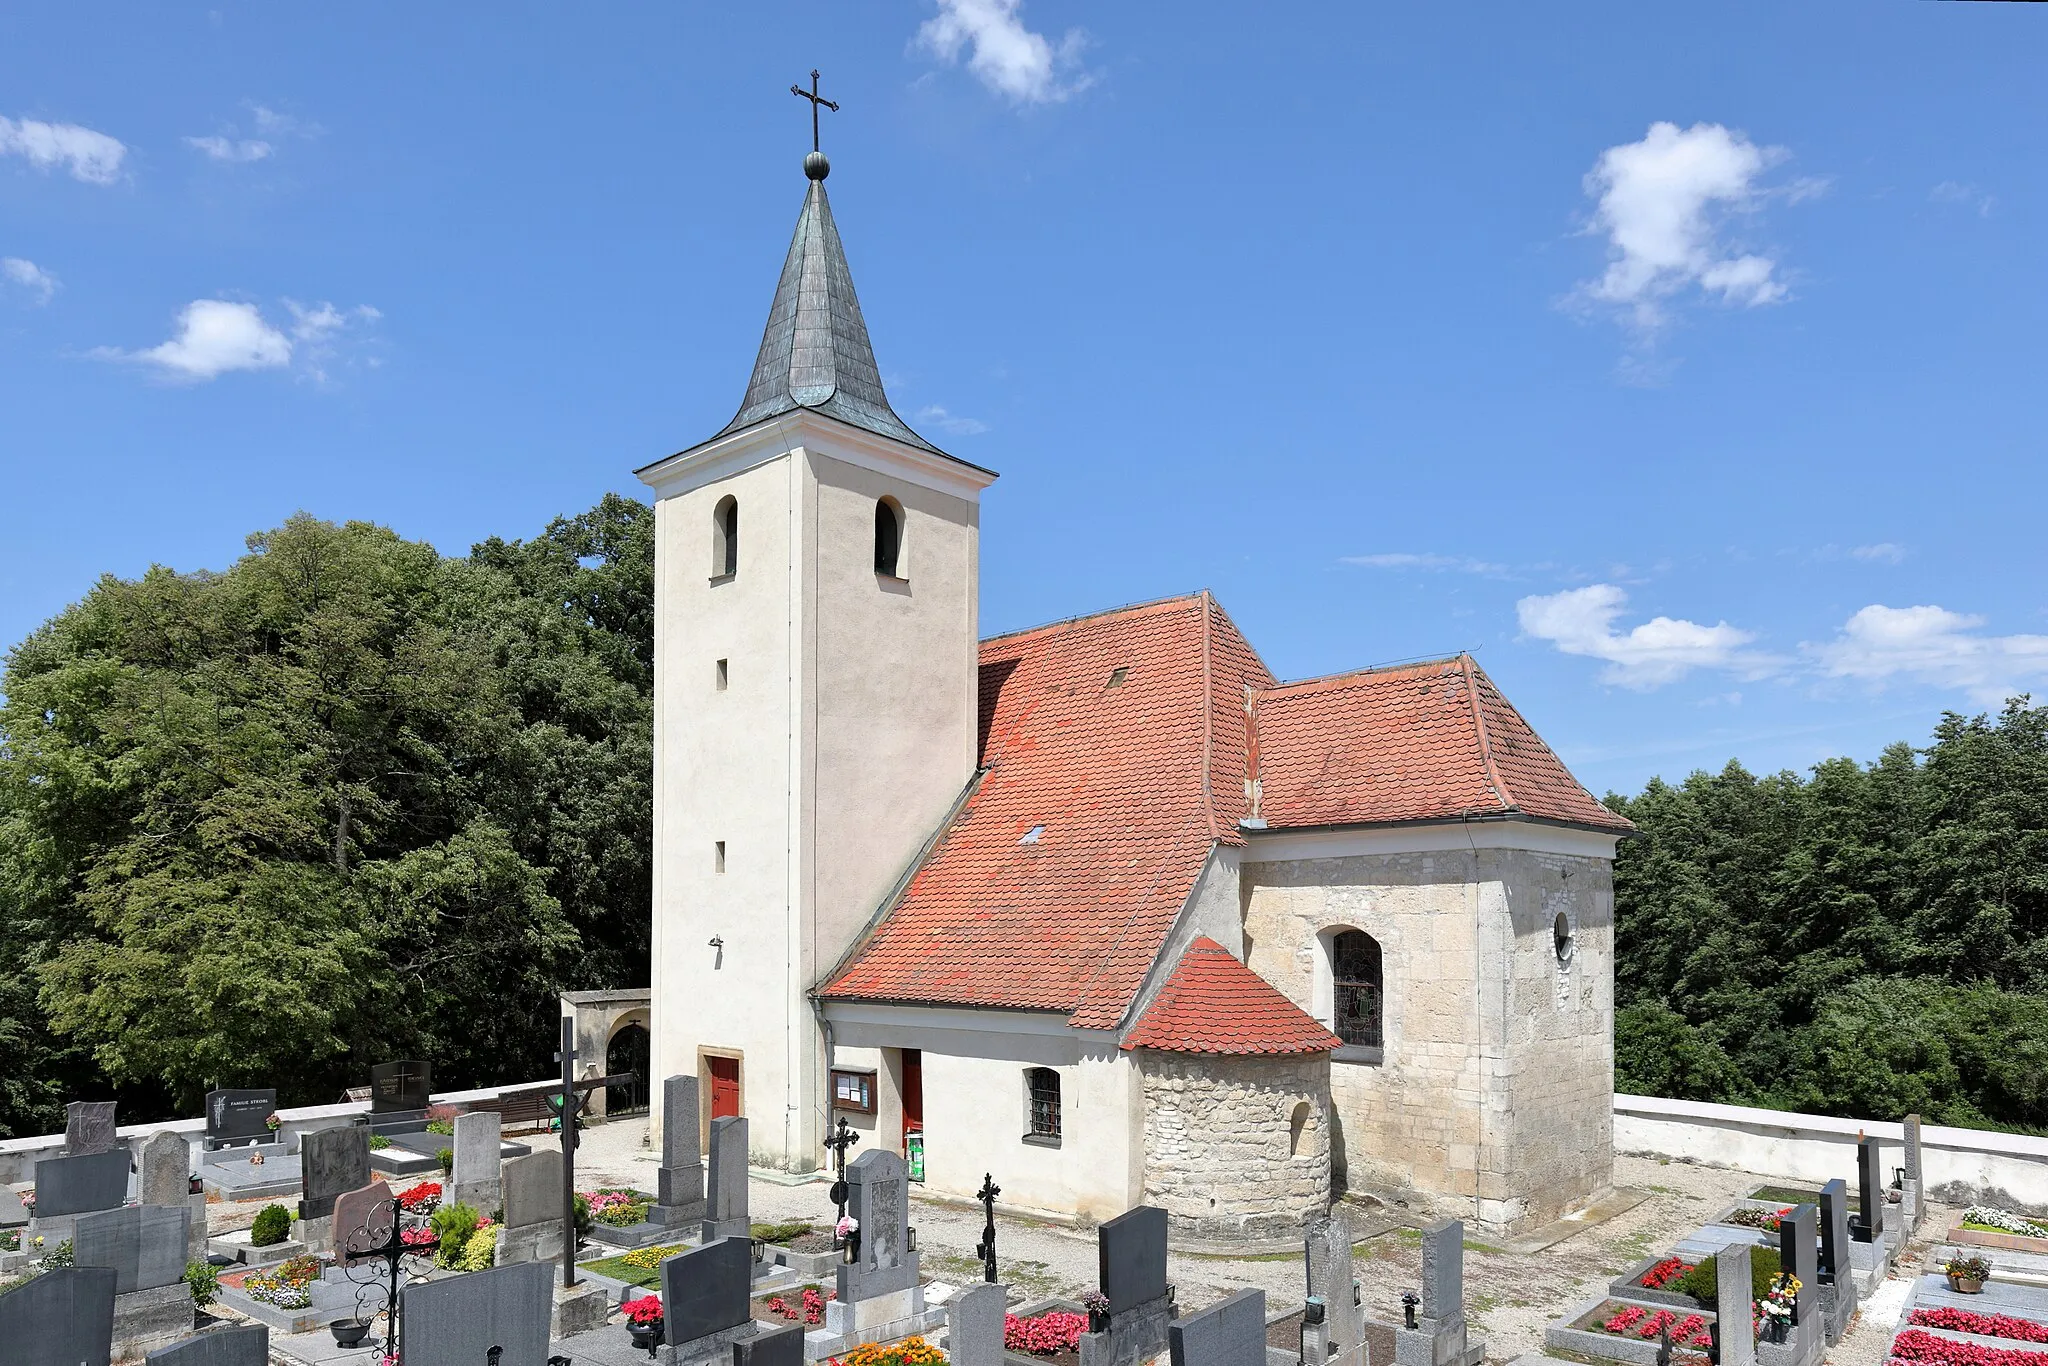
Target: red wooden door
(725, 1086)
(913, 1093)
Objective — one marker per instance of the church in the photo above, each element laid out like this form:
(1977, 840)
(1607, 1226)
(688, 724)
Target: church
(1101, 908)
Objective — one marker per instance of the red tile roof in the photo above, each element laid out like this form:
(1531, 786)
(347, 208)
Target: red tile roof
(1056, 883)
(1414, 742)
(1214, 1004)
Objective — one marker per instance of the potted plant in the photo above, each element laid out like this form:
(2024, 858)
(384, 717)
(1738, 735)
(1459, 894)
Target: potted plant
(847, 1230)
(1777, 1310)
(1097, 1305)
(271, 1121)
(643, 1321)
(1966, 1275)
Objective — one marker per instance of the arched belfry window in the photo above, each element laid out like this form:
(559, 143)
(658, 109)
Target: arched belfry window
(888, 537)
(1357, 990)
(725, 537)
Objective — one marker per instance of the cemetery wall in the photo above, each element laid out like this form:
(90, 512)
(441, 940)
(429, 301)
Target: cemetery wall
(976, 1112)
(1961, 1166)
(1222, 1156)
(1455, 1105)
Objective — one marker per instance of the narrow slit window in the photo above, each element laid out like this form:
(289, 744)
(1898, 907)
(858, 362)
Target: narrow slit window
(725, 538)
(723, 674)
(1357, 988)
(718, 856)
(888, 537)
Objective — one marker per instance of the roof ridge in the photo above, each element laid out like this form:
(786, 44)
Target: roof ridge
(1493, 778)
(1209, 713)
(1329, 682)
(1068, 623)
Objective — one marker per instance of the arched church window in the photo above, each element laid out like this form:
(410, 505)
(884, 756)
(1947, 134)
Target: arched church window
(888, 537)
(1042, 1098)
(725, 537)
(1356, 988)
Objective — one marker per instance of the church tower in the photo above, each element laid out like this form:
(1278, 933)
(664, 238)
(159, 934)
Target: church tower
(816, 580)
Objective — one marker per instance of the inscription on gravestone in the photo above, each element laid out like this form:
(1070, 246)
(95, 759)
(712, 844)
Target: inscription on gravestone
(877, 1187)
(79, 1185)
(404, 1085)
(63, 1317)
(88, 1127)
(1131, 1257)
(239, 1116)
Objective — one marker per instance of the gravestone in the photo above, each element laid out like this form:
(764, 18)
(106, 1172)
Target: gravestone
(80, 1185)
(1130, 1255)
(12, 1211)
(679, 1188)
(704, 1297)
(532, 1189)
(239, 1116)
(782, 1346)
(1230, 1332)
(1333, 1279)
(63, 1317)
(363, 1219)
(1837, 1298)
(332, 1162)
(881, 1291)
(245, 1345)
(1439, 1337)
(478, 1142)
(1732, 1305)
(1913, 1188)
(1798, 1253)
(166, 1170)
(396, 1087)
(145, 1246)
(1868, 1225)
(462, 1319)
(974, 1325)
(725, 1215)
(88, 1127)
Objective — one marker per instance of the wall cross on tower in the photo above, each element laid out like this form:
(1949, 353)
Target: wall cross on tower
(816, 99)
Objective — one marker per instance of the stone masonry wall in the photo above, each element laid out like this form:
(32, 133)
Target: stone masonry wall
(1222, 1156)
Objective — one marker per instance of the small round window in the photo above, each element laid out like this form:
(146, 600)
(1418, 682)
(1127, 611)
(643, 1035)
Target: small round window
(1561, 933)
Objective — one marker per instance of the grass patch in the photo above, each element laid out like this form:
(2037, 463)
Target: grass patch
(619, 1269)
(1795, 1195)
(783, 1232)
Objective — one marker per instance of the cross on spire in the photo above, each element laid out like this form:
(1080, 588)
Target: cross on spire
(816, 99)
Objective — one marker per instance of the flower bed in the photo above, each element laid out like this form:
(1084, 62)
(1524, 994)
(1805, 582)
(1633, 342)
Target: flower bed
(912, 1351)
(285, 1285)
(2002, 1221)
(1634, 1321)
(809, 1306)
(423, 1198)
(1925, 1349)
(1044, 1334)
(1983, 1325)
(1767, 1220)
(1663, 1273)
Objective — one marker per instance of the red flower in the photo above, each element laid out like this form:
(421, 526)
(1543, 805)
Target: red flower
(642, 1312)
(1925, 1349)
(1663, 1273)
(1045, 1334)
(1983, 1325)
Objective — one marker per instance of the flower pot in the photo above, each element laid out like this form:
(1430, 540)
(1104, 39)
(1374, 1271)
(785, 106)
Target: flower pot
(349, 1332)
(1098, 1320)
(1776, 1330)
(1966, 1285)
(646, 1334)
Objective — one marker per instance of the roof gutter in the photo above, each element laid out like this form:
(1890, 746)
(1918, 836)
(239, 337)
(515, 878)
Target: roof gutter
(1462, 818)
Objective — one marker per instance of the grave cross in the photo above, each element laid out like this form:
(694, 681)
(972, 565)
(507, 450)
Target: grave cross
(986, 1250)
(392, 1251)
(570, 1104)
(816, 99)
(842, 1138)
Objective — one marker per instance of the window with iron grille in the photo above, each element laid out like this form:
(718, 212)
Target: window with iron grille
(1042, 1088)
(1357, 993)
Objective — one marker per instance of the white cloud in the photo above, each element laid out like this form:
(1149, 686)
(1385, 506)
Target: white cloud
(1661, 206)
(1580, 621)
(90, 156)
(1463, 564)
(215, 336)
(228, 149)
(1969, 196)
(1022, 66)
(30, 276)
(272, 124)
(950, 424)
(1884, 552)
(1933, 645)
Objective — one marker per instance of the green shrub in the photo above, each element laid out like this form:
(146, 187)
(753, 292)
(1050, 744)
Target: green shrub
(378, 1142)
(784, 1232)
(623, 1216)
(273, 1225)
(480, 1251)
(583, 1218)
(203, 1281)
(1703, 1282)
(60, 1255)
(446, 1157)
(453, 1226)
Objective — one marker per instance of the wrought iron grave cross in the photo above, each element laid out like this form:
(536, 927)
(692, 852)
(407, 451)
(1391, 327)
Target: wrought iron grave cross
(842, 1138)
(987, 1250)
(816, 99)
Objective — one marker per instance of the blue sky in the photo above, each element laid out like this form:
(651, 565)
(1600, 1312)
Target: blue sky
(1684, 365)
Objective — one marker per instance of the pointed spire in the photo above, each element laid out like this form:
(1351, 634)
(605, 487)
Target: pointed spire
(815, 352)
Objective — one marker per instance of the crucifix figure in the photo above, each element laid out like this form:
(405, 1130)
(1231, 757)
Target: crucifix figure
(816, 99)
(987, 1251)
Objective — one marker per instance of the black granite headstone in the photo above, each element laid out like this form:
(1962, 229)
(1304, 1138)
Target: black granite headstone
(1798, 1253)
(1868, 1225)
(404, 1085)
(1230, 1332)
(1131, 1253)
(239, 1116)
(1834, 1231)
(332, 1162)
(88, 1127)
(80, 1185)
(705, 1290)
(461, 1319)
(246, 1344)
(60, 1318)
(782, 1346)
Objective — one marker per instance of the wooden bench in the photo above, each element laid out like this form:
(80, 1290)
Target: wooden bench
(521, 1110)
